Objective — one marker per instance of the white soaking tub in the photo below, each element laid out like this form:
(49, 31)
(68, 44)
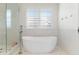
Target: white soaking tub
(39, 44)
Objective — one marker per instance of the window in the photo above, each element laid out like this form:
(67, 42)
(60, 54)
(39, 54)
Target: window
(38, 18)
(8, 18)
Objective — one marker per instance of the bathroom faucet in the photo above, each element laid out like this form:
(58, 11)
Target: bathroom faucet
(21, 28)
(78, 30)
(21, 42)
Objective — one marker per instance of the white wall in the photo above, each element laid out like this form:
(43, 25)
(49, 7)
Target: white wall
(39, 32)
(68, 25)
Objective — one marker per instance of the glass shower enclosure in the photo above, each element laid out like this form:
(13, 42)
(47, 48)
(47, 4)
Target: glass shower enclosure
(9, 29)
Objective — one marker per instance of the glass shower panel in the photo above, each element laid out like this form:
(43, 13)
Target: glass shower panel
(8, 18)
(12, 27)
(2, 29)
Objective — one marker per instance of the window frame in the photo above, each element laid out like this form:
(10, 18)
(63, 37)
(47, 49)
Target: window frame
(40, 26)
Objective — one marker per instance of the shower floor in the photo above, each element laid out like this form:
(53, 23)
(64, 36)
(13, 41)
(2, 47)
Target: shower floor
(9, 51)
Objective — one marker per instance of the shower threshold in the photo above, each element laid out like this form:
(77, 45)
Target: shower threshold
(13, 51)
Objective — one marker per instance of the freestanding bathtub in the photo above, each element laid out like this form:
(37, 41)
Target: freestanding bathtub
(39, 44)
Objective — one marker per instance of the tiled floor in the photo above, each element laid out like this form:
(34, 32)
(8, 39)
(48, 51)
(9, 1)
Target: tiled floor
(57, 51)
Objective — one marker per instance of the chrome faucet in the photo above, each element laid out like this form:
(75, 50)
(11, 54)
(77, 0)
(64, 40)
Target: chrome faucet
(21, 42)
(21, 29)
